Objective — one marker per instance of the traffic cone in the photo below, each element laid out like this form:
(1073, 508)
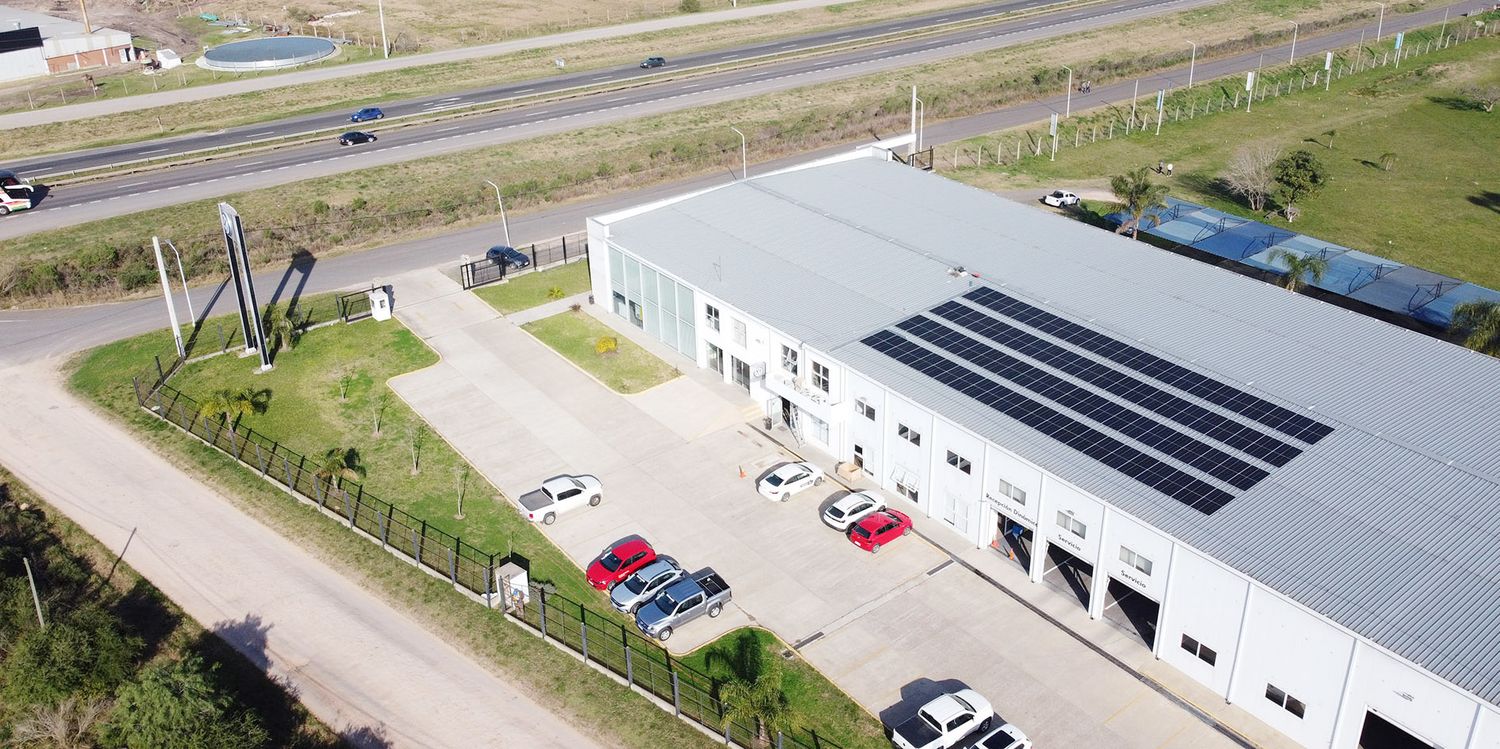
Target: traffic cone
(742, 472)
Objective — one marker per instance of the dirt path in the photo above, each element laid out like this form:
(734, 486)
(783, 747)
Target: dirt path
(366, 670)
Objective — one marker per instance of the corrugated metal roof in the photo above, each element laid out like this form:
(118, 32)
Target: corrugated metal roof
(1387, 526)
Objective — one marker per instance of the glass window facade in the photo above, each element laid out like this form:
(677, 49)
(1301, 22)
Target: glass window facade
(653, 302)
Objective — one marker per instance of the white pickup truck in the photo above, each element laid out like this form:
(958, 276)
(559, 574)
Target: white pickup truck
(945, 721)
(558, 495)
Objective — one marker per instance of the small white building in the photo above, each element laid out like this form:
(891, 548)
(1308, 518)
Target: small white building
(1293, 504)
(35, 44)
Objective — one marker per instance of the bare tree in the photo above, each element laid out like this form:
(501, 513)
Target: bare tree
(378, 409)
(416, 437)
(346, 377)
(1250, 173)
(1483, 97)
(68, 724)
(461, 478)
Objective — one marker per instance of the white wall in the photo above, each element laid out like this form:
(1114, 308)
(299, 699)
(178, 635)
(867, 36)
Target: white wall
(957, 496)
(903, 458)
(1206, 602)
(1303, 656)
(23, 63)
(1124, 531)
(1486, 729)
(872, 435)
(1436, 712)
(1059, 497)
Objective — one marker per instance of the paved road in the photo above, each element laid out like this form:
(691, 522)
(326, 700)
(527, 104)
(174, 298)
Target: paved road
(26, 335)
(319, 74)
(53, 164)
(80, 203)
(358, 664)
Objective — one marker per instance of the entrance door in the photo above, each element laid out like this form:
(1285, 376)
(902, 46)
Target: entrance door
(786, 412)
(1380, 733)
(859, 457)
(715, 358)
(1127, 609)
(741, 373)
(1014, 541)
(1068, 574)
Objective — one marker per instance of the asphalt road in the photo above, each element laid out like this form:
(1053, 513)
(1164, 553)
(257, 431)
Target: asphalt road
(66, 206)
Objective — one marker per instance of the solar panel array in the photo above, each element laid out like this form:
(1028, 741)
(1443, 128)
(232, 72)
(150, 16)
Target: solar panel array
(1152, 433)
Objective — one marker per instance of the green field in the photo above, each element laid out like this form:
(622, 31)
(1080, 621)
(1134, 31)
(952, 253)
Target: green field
(1436, 208)
(629, 369)
(534, 289)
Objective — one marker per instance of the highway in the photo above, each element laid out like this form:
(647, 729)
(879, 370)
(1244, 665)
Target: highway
(70, 205)
(29, 335)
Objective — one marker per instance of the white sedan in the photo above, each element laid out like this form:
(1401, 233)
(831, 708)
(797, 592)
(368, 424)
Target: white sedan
(1060, 198)
(788, 479)
(852, 509)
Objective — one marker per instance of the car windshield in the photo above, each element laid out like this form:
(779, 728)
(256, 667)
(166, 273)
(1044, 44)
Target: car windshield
(635, 584)
(576, 483)
(935, 725)
(666, 602)
(1057, 193)
(609, 561)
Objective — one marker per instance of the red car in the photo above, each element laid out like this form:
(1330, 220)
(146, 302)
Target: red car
(619, 562)
(878, 529)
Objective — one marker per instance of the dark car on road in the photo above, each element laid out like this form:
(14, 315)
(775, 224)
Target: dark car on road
(654, 62)
(507, 256)
(367, 114)
(355, 137)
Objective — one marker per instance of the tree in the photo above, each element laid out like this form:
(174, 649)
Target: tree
(1299, 268)
(1330, 134)
(1483, 97)
(179, 706)
(1299, 175)
(1388, 161)
(1480, 324)
(1250, 173)
(69, 724)
(378, 409)
(83, 652)
(285, 325)
(347, 376)
(416, 437)
(232, 405)
(1139, 197)
(461, 478)
(339, 464)
(760, 703)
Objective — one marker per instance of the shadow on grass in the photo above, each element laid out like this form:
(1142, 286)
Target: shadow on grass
(149, 616)
(1487, 199)
(1457, 103)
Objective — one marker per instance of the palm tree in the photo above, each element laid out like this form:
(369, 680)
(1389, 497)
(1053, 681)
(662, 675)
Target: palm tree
(1138, 196)
(231, 405)
(1299, 268)
(759, 703)
(338, 464)
(1480, 323)
(285, 325)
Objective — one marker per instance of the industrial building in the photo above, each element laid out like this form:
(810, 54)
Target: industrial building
(1291, 503)
(34, 44)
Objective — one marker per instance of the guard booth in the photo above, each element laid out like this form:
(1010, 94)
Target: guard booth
(380, 302)
(513, 582)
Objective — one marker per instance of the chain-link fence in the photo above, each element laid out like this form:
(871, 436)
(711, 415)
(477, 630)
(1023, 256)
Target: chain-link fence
(539, 256)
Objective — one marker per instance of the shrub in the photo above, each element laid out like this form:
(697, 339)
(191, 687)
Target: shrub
(320, 208)
(690, 6)
(606, 344)
(555, 292)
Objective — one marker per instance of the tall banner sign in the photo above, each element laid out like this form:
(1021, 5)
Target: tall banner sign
(244, 284)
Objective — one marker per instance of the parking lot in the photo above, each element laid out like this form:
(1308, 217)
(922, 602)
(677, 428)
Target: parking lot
(892, 629)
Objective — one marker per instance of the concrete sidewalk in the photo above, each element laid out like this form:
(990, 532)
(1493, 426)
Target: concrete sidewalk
(358, 664)
(335, 72)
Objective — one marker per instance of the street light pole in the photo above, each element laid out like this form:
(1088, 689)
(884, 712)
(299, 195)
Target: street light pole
(1068, 108)
(1380, 24)
(1191, 62)
(384, 46)
(921, 120)
(744, 158)
(504, 224)
(1293, 57)
(182, 274)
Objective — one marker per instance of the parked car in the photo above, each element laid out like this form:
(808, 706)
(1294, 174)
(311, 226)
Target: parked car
(682, 602)
(654, 62)
(1004, 737)
(945, 721)
(851, 509)
(878, 529)
(644, 585)
(561, 494)
(508, 256)
(355, 137)
(619, 562)
(367, 114)
(788, 479)
(1060, 198)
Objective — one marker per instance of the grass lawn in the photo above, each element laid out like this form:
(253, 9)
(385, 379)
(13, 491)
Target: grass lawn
(533, 289)
(1435, 209)
(629, 369)
(817, 703)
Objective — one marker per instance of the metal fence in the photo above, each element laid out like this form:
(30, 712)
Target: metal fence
(565, 249)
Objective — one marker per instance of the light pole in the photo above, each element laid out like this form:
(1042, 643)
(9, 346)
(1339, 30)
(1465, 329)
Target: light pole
(1293, 57)
(921, 120)
(182, 274)
(166, 291)
(744, 158)
(1068, 108)
(384, 47)
(1380, 24)
(504, 224)
(1191, 62)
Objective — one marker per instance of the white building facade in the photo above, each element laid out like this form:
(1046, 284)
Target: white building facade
(1310, 677)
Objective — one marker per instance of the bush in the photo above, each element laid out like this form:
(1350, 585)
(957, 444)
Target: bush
(84, 651)
(179, 705)
(319, 208)
(607, 344)
(690, 6)
(556, 292)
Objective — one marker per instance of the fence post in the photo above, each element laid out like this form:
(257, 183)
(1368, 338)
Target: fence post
(359, 500)
(727, 724)
(489, 579)
(260, 457)
(347, 513)
(543, 619)
(778, 740)
(160, 375)
(565, 249)
(288, 463)
(629, 664)
(583, 631)
(676, 695)
(382, 519)
(416, 545)
(135, 384)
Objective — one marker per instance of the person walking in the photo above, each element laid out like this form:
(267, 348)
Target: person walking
(1169, 169)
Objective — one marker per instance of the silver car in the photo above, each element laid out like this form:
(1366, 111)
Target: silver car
(644, 585)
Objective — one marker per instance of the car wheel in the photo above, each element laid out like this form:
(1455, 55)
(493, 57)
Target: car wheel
(664, 635)
(373, 139)
(984, 725)
(875, 549)
(715, 610)
(594, 501)
(818, 481)
(4, 211)
(549, 518)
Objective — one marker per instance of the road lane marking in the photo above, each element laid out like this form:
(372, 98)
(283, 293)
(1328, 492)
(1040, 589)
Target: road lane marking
(159, 150)
(446, 129)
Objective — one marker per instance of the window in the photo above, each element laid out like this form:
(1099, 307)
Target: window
(1289, 703)
(1010, 490)
(910, 435)
(711, 316)
(910, 492)
(864, 409)
(820, 429)
(739, 332)
(1072, 524)
(820, 376)
(1135, 560)
(960, 462)
(1204, 652)
(789, 359)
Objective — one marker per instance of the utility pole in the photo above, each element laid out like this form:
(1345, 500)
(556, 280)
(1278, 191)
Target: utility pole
(912, 149)
(504, 224)
(384, 46)
(182, 273)
(1293, 57)
(744, 158)
(35, 599)
(1192, 61)
(166, 291)
(1133, 97)
(921, 121)
(88, 28)
(1380, 24)
(1068, 108)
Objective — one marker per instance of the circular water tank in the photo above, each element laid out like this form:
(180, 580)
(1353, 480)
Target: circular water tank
(268, 54)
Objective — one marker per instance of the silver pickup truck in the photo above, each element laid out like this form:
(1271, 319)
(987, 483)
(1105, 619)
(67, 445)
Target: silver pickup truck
(683, 601)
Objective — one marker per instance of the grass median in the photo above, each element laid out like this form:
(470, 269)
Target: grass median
(535, 289)
(619, 363)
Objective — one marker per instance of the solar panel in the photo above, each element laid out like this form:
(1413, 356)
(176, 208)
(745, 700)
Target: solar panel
(1165, 478)
(1101, 410)
(1281, 419)
(1178, 409)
